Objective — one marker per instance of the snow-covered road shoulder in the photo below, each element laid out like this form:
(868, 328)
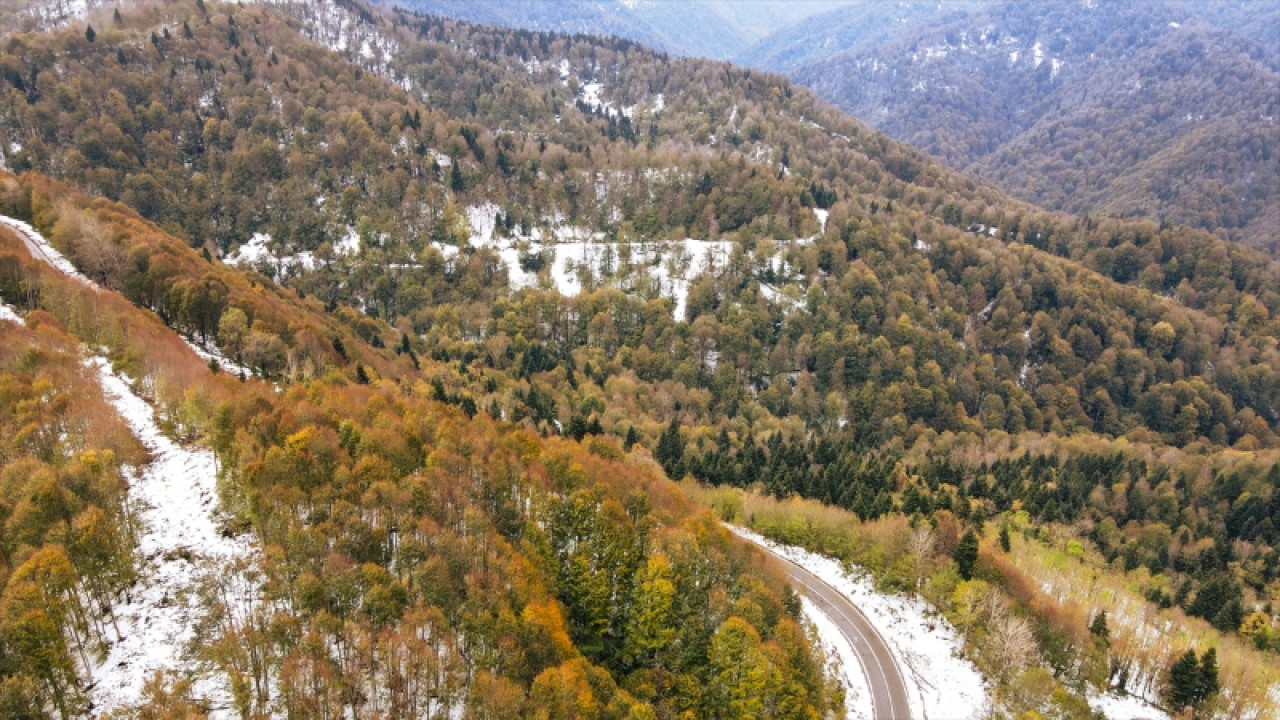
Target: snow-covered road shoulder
(943, 684)
(857, 696)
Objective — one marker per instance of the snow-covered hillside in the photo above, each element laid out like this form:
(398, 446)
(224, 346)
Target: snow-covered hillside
(577, 259)
(181, 541)
(44, 251)
(41, 250)
(259, 254)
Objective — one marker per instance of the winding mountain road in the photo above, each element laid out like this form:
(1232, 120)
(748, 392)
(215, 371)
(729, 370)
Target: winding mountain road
(884, 677)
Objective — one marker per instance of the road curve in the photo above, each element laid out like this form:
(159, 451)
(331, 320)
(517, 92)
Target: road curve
(884, 677)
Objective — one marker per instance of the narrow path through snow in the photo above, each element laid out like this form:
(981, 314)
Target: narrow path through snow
(174, 499)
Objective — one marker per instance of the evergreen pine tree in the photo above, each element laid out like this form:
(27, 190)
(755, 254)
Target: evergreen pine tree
(577, 427)
(1207, 683)
(670, 452)
(468, 405)
(1098, 628)
(1184, 681)
(966, 554)
(1004, 538)
(89, 33)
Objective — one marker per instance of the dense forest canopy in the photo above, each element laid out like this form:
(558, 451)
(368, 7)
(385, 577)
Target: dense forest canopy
(341, 199)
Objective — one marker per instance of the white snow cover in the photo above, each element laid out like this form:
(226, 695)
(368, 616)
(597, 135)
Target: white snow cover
(569, 249)
(857, 696)
(211, 352)
(927, 648)
(589, 94)
(1128, 707)
(57, 13)
(822, 218)
(8, 313)
(175, 500)
(41, 249)
(335, 26)
(257, 252)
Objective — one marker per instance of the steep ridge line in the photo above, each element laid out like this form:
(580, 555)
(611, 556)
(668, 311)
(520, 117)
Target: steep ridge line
(41, 249)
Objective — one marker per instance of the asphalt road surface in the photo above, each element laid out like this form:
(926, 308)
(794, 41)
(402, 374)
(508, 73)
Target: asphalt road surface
(888, 689)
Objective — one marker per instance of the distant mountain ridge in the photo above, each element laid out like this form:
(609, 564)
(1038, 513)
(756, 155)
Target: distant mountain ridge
(716, 29)
(1162, 109)
(1132, 109)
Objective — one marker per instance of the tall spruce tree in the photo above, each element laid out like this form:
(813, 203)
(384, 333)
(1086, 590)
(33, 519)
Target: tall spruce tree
(966, 554)
(670, 452)
(1184, 682)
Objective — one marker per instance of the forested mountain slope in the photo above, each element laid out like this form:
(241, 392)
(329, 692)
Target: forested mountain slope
(233, 138)
(512, 223)
(414, 561)
(1156, 109)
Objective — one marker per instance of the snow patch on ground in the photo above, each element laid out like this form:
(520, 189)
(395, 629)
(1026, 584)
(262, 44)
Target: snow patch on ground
(1126, 707)
(926, 646)
(857, 695)
(589, 95)
(822, 216)
(8, 313)
(210, 353)
(57, 13)
(174, 498)
(257, 254)
(576, 258)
